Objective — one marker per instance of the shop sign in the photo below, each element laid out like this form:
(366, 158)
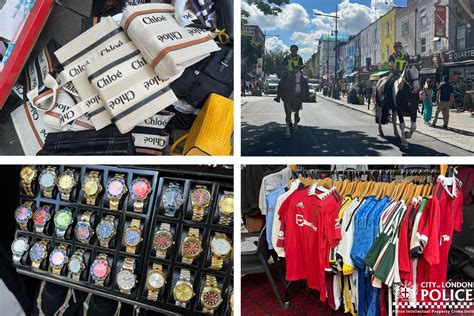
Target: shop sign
(440, 21)
(464, 55)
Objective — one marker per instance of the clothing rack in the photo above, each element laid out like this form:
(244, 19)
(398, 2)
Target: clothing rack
(301, 170)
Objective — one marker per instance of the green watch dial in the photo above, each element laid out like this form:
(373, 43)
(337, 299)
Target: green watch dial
(63, 218)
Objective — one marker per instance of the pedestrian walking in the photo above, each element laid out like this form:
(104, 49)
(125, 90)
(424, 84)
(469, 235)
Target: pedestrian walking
(444, 99)
(428, 101)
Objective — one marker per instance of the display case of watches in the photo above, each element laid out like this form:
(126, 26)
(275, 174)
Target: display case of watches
(129, 234)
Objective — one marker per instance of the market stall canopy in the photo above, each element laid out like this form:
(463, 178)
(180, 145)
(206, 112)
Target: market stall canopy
(428, 71)
(378, 75)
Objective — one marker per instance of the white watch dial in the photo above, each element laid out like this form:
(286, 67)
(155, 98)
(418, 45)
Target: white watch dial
(19, 245)
(74, 265)
(221, 246)
(156, 280)
(126, 279)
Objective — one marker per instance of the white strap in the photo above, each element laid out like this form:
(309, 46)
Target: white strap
(151, 141)
(158, 121)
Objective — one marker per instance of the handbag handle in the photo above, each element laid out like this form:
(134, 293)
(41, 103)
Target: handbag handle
(176, 143)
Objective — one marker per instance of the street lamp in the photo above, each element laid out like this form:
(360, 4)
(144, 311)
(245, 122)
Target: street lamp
(335, 47)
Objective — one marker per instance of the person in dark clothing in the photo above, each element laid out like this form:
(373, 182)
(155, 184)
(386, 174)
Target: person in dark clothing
(444, 100)
(292, 62)
(397, 62)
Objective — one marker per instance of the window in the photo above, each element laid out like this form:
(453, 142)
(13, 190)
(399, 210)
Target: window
(387, 28)
(423, 45)
(461, 37)
(405, 28)
(387, 51)
(423, 17)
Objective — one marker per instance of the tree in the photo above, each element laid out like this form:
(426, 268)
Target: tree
(273, 61)
(251, 51)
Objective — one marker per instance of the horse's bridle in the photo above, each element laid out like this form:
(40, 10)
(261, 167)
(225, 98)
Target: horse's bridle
(403, 77)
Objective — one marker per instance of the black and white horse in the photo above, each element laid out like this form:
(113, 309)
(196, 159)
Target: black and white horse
(405, 101)
(294, 92)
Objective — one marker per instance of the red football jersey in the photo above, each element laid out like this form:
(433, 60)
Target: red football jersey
(311, 229)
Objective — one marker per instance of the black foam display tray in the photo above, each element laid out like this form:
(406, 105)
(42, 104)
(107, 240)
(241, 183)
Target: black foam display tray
(150, 221)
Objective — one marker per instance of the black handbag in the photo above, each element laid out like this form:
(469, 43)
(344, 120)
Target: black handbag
(214, 74)
(107, 141)
(225, 16)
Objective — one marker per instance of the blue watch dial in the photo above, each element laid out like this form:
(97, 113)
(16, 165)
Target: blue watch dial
(104, 230)
(132, 237)
(37, 252)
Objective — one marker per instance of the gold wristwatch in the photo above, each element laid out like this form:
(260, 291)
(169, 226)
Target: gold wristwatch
(200, 199)
(126, 279)
(28, 175)
(155, 281)
(57, 259)
(211, 295)
(66, 183)
(116, 188)
(226, 208)
(23, 214)
(47, 181)
(132, 236)
(76, 264)
(183, 289)
(38, 252)
(92, 187)
(221, 247)
(163, 240)
(191, 247)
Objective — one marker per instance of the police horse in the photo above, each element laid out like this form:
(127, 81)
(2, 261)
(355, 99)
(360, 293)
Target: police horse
(404, 103)
(294, 92)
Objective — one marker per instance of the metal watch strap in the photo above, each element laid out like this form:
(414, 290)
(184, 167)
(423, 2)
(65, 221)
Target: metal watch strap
(28, 188)
(57, 270)
(198, 214)
(80, 254)
(224, 220)
(211, 281)
(153, 294)
(218, 261)
(192, 232)
(90, 199)
(184, 275)
(135, 223)
(161, 254)
(86, 217)
(128, 264)
(24, 225)
(103, 257)
(138, 206)
(105, 242)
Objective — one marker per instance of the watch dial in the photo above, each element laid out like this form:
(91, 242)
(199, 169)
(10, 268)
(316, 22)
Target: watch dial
(74, 265)
(184, 292)
(126, 279)
(132, 237)
(41, 216)
(62, 219)
(115, 187)
(227, 203)
(162, 240)
(172, 197)
(91, 187)
(201, 196)
(211, 298)
(140, 188)
(47, 179)
(65, 181)
(156, 280)
(19, 245)
(27, 173)
(104, 230)
(37, 252)
(22, 213)
(57, 257)
(100, 269)
(221, 246)
(82, 231)
(191, 247)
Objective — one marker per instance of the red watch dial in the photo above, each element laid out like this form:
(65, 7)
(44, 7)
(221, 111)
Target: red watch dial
(140, 188)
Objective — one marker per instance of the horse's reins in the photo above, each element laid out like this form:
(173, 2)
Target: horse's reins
(403, 77)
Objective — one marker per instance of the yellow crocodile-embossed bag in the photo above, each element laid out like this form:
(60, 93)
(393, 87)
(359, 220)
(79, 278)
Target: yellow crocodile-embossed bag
(212, 130)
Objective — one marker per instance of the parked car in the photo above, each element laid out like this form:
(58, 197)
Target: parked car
(314, 86)
(270, 85)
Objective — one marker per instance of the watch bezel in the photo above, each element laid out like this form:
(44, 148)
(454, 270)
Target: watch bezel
(43, 256)
(197, 203)
(135, 196)
(94, 264)
(94, 180)
(127, 231)
(89, 227)
(109, 223)
(30, 178)
(207, 289)
(30, 214)
(70, 174)
(182, 283)
(213, 249)
(53, 174)
(120, 276)
(82, 266)
(183, 249)
(63, 252)
(163, 232)
(63, 210)
(178, 198)
(24, 249)
(46, 218)
(148, 277)
(222, 210)
(119, 195)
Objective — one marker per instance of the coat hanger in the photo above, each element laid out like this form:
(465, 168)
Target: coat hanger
(326, 182)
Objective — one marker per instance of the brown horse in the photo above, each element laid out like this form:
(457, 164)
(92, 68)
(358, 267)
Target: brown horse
(404, 103)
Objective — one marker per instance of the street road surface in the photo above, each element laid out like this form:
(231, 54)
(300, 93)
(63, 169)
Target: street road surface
(327, 129)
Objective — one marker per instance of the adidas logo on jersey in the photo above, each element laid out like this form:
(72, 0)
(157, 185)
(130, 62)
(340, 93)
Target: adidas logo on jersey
(300, 205)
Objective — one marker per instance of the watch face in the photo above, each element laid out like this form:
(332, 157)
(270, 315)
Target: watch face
(191, 247)
(183, 292)
(57, 257)
(23, 213)
(105, 230)
(140, 188)
(75, 265)
(66, 181)
(132, 237)
(201, 196)
(100, 269)
(126, 280)
(63, 218)
(226, 203)
(41, 216)
(172, 197)
(211, 298)
(47, 179)
(115, 187)
(19, 245)
(82, 231)
(163, 240)
(155, 280)
(27, 173)
(38, 252)
(220, 246)
(91, 187)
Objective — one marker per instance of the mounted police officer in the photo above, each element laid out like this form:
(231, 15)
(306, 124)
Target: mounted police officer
(291, 62)
(397, 62)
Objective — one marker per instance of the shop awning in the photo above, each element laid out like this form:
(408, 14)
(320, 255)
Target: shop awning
(351, 74)
(428, 71)
(378, 75)
(460, 63)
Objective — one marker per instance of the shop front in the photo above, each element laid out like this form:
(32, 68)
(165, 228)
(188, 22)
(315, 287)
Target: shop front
(459, 65)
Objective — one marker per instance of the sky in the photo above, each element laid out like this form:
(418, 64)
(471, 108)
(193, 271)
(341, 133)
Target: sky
(296, 24)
